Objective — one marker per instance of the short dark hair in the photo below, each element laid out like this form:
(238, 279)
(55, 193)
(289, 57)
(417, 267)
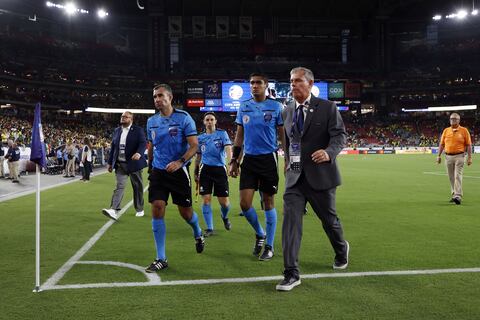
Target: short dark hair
(258, 74)
(164, 86)
(210, 113)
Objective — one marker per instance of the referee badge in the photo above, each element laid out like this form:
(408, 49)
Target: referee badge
(153, 134)
(246, 119)
(173, 131)
(203, 148)
(267, 116)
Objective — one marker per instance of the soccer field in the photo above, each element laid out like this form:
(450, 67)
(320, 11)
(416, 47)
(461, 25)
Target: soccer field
(395, 213)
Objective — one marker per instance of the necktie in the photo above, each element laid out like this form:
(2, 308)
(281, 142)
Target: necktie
(300, 119)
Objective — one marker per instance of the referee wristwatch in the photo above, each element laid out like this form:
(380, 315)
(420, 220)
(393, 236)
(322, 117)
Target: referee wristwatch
(182, 160)
(233, 160)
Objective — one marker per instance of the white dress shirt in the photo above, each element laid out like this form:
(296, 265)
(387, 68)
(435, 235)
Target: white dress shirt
(305, 104)
(123, 142)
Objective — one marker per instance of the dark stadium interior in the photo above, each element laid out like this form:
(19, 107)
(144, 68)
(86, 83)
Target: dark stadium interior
(399, 55)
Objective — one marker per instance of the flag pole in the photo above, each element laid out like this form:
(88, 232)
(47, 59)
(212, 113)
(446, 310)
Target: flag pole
(37, 232)
(37, 155)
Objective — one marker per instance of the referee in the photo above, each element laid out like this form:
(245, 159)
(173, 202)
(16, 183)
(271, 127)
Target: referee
(173, 142)
(211, 171)
(259, 125)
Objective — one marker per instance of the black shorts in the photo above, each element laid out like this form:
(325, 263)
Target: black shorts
(260, 173)
(213, 178)
(177, 183)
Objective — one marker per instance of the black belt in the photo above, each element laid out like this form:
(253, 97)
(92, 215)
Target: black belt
(454, 154)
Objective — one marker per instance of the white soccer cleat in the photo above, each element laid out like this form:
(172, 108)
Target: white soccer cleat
(111, 213)
(140, 214)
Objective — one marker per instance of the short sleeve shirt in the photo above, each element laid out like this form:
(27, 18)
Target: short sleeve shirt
(260, 121)
(212, 147)
(455, 140)
(168, 136)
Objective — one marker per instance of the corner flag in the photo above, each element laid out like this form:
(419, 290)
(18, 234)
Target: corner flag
(38, 154)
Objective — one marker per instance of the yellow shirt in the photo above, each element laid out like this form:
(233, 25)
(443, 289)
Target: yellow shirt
(455, 140)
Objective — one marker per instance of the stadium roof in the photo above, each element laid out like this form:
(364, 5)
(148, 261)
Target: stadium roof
(323, 9)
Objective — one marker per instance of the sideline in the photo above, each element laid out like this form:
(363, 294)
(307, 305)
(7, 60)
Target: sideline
(32, 189)
(259, 279)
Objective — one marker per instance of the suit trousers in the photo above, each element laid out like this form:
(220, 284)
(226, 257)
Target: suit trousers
(455, 164)
(323, 204)
(121, 175)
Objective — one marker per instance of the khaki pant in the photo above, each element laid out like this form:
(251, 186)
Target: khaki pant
(455, 166)
(2, 172)
(70, 168)
(13, 168)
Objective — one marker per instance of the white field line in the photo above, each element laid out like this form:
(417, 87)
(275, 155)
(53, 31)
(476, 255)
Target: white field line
(57, 276)
(444, 174)
(152, 278)
(261, 279)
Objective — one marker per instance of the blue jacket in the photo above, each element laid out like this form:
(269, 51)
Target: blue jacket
(13, 154)
(135, 143)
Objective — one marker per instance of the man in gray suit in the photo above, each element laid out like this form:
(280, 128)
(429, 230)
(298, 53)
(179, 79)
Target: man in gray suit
(315, 136)
(127, 157)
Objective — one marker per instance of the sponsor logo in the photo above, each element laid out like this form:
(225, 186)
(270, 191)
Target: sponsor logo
(235, 92)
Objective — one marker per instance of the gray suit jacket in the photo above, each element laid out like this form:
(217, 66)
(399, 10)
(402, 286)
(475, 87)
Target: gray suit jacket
(323, 129)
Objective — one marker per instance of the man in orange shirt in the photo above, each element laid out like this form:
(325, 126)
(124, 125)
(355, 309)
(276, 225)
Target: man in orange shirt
(455, 141)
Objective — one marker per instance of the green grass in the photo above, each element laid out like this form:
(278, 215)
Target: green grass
(395, 217)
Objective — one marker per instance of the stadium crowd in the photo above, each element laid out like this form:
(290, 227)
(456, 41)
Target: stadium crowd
(365, 131)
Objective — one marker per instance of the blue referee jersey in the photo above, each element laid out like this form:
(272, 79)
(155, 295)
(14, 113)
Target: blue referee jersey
(212, 147)
(168, 136)
(260, 121)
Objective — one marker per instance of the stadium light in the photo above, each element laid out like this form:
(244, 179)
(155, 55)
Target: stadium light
(118, 110)
(474, 12)
(461, 14)
(437, 17)
(102, 14)
(445, 108)
(453, 108)
(70, 8)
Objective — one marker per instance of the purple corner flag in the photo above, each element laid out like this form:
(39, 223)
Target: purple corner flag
(38, 154)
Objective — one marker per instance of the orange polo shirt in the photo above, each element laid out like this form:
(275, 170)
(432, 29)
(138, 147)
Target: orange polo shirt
(455, 140)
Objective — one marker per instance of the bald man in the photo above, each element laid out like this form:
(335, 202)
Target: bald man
(127, 157)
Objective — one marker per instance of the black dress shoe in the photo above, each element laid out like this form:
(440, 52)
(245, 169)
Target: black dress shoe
(290, 281)
(457, 201)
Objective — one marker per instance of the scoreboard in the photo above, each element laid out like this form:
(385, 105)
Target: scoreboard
(226, 96)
